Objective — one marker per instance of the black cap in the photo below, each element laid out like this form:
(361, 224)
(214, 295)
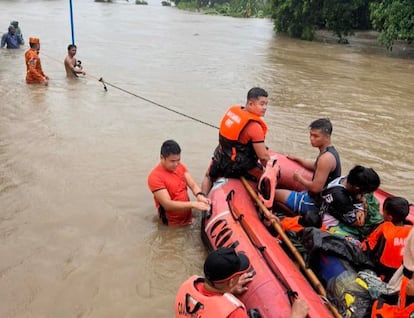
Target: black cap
(224, 263)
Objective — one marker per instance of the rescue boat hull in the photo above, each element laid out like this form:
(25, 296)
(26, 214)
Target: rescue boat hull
(234, 221)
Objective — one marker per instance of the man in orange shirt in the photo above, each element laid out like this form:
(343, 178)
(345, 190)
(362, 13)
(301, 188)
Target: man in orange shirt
(241, 141)
(168, 181)
(34, 73)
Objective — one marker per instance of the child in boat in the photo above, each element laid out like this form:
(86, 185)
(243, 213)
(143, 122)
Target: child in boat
(385, 244)
(403, 306)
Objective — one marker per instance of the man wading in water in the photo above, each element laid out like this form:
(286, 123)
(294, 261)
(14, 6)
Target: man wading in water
(72, 66)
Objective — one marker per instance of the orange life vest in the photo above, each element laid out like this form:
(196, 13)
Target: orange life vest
(189, 302)
(234, 121)
(234, 157)
(291, 224)
(395, 237)
(384, 310)
(388, 249)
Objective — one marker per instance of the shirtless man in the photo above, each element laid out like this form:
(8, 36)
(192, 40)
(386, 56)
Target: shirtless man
(71, 65)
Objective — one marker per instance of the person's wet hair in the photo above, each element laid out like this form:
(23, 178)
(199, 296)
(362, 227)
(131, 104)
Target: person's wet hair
(311, 219)
(170, 147)
(256, 92)
(366, 179)
(71, 46)
(397, 207)
(324, 124)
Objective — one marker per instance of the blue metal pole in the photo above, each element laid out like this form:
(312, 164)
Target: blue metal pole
(71, 22)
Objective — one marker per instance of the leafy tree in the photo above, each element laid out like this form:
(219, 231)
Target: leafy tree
(339, 16)
(235, 8)
(361, 16)
(298, 18)
(394, 19)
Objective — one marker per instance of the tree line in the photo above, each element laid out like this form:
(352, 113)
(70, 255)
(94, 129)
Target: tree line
(393, 19)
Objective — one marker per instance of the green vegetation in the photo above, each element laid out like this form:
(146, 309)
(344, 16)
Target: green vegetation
(234, 8)
(394, 19)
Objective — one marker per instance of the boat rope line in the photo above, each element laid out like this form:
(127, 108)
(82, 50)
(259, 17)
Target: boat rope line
(155, 103)
(105, 83)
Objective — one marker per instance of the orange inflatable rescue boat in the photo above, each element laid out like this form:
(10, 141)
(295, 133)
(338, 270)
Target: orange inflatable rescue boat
(235, 221)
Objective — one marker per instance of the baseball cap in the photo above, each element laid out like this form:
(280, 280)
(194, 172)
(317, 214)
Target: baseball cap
(224, 263)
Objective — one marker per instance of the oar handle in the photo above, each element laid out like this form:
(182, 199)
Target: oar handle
(273, 220)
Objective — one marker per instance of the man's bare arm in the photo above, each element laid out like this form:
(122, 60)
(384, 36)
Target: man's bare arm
(261, 152)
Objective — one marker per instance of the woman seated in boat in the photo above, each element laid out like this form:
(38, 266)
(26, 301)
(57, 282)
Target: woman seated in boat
(342, 201)
(373, 218)
(343, 198)
(385, 244)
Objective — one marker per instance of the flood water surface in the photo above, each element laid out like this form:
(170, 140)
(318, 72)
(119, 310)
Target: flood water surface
(78, 230)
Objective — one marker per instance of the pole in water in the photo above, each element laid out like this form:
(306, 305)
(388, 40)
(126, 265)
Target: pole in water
(71, 22)
(102, 81)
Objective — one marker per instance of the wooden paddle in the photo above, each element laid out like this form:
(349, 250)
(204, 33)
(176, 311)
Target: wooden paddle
(276, 225)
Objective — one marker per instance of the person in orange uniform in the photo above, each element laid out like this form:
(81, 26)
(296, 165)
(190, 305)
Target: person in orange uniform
(241, 141)
(34, 73)
(404, 308)
(227, 273)
(385, 244)
(168, 182)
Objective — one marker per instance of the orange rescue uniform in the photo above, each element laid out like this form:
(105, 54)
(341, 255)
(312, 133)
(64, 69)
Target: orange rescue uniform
(386, 242)
(380, 309)
(235, 155)
(34, 73)
(405, 306)
(193, 300)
